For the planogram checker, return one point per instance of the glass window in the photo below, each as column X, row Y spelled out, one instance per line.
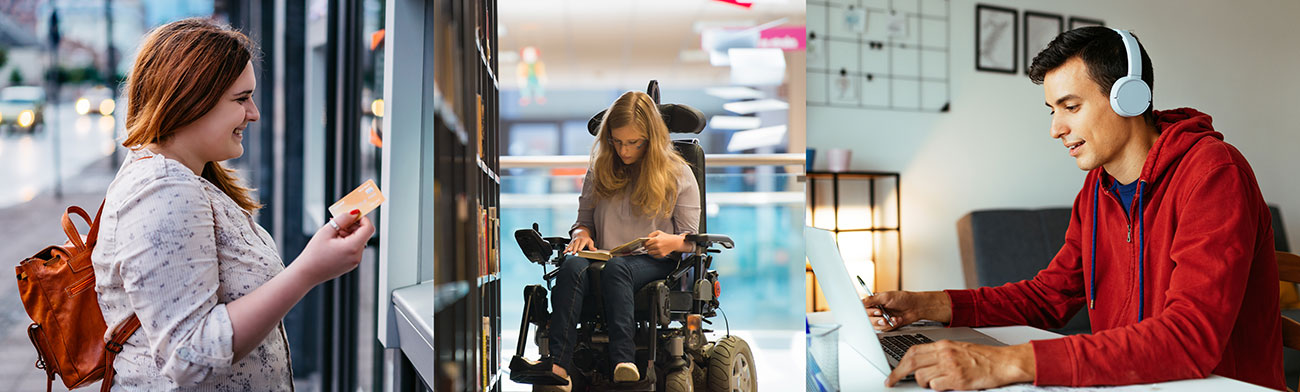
column 577, row 139
column 531, row 139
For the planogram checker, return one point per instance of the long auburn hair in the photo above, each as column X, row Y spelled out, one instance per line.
column 653, row 178
column 180, row 73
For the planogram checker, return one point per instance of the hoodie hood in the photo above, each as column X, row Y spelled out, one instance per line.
column 1180, row 129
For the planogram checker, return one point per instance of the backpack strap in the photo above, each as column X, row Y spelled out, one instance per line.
column 114, row 346
column 94, row 225
column 82, row 247
column 32, row 331
column 71, row 230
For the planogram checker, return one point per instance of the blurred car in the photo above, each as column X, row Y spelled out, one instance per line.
column 22, row 108
column 96, row 101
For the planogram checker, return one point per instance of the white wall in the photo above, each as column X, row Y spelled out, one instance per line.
column 1235, row 60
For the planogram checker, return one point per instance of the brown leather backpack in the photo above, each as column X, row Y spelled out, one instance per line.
column 58, row 289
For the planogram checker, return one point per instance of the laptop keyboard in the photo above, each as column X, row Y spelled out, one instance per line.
column 896, row 345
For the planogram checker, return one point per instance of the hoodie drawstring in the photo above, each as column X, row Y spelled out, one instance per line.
column 1141, row 255
column 1092, row 285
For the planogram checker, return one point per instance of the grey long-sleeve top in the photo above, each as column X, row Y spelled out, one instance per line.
column 174, row 250
column 616, row 220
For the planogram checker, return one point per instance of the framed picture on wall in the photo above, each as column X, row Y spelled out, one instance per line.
column 1077, row 22
column 1040, row 30
column 996, row 29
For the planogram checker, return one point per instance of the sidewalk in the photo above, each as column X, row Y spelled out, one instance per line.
column 28, row 228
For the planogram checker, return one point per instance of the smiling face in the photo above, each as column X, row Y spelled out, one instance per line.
column 629, row 142
column 1082, row 118
column 217, row 135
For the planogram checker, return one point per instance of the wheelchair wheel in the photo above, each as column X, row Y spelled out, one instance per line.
column 679, row 381
column 731, row 366
column 700, row 375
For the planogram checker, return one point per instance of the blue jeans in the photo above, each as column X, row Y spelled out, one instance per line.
column 619, row 281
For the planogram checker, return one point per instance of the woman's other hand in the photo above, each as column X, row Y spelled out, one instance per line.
column 580, row 241
column 661, row 244
column 333, row 252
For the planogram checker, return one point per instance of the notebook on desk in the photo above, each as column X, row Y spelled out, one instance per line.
column 883, row 350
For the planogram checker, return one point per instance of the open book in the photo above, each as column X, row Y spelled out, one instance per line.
column 630, row 248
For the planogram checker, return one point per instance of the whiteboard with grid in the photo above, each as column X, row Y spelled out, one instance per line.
column 879, row 54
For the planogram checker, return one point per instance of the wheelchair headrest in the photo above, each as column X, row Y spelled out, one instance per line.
column 678, row 117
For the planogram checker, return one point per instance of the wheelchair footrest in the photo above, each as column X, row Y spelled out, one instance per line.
column 524, row 371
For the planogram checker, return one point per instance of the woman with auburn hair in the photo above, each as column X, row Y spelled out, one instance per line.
column 637, row 186
column 178, row 245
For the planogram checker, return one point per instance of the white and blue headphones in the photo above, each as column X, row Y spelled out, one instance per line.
column 1130, row 96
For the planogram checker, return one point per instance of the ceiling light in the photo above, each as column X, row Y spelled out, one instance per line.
column 762, row 105
column 718, row 41
column 757, row 67
column 734, row 93
column 721, row 122
column 702, row 25
column 756, row 138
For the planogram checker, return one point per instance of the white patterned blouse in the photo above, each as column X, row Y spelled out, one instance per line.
column 174, row 250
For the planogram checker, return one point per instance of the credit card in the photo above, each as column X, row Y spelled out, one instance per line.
column 365, row 198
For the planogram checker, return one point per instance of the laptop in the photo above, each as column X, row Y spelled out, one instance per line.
column 883, row 350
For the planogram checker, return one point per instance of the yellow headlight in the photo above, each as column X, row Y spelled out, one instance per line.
column 26, row 118
column 83, row 106
column 377, row 107
column 106, row 106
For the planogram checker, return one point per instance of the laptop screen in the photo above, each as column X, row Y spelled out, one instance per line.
column 838, row 287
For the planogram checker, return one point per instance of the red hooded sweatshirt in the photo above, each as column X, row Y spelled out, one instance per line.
column 1182, row 287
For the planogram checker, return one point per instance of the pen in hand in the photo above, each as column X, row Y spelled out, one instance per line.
column 888, row 318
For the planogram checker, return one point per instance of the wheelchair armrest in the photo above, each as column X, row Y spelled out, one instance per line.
column 707, row 240
column 682, row 269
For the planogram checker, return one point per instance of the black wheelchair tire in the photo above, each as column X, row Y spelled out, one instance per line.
column 679, row 381
column 700, row 375
column 731, row 366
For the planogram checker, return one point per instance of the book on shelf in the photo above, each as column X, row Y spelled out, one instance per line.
column 486, row 355
column 630, row 248
column 482, row 242
column 494, row 239
column 478, row 140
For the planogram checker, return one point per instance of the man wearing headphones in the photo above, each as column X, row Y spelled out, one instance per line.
column 1170, row 248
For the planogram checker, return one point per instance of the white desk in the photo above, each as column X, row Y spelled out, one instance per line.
column 856, row 374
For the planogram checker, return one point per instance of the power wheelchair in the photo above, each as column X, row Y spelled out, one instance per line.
column 672, row 351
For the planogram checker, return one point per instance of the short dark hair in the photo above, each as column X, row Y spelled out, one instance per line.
column 1102, row 51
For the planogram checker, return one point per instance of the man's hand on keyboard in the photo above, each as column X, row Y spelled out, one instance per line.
column 949, row 365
